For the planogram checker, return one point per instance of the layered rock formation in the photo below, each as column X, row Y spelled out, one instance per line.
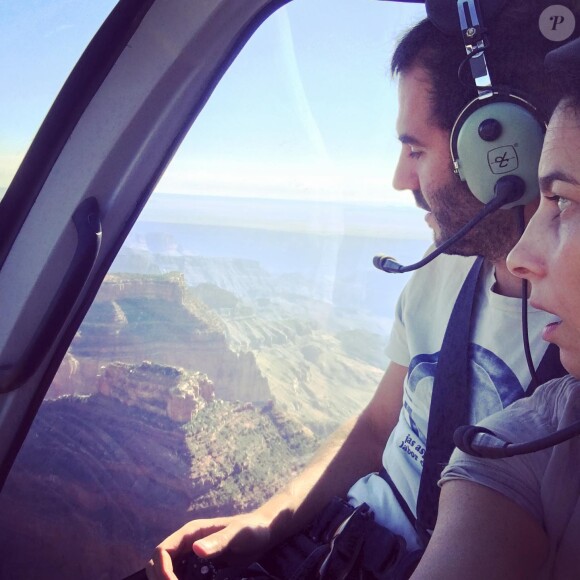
column 299, row 352
column 159, row 389
column 136, row 318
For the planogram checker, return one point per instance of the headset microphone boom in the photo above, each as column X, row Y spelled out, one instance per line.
column 508, row 189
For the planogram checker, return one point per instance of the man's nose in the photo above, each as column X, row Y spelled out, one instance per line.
column 405, row 176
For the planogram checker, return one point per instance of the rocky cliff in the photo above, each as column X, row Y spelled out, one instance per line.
column 136, row 318
column 311, row 359
column 102, row 479
column 159, row 389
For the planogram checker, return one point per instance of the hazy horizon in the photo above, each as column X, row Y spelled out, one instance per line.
column 354, row 218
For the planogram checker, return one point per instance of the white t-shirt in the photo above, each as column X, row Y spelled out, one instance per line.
column 497, row 362
column 545, row 483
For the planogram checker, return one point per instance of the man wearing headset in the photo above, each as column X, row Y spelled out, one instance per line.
column 389, row 436
column 518, row 516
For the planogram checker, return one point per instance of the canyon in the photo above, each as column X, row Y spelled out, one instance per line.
column 174, row 402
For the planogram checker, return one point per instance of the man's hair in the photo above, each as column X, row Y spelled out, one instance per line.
column 514, row 58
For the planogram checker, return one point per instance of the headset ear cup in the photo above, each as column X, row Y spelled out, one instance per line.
column 495, row 136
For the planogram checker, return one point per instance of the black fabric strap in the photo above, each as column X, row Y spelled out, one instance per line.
column 450, row 400
column 398, row 496
column 550, row 367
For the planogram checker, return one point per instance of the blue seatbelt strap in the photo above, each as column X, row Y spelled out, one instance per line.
column 450, row 401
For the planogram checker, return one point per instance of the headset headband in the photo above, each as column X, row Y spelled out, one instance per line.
column 475, row 40
column 445, row 16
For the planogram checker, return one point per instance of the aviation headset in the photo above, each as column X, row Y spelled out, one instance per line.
column 498, row 133
column 497, row 138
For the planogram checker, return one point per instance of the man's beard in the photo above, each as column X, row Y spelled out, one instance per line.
column 420, row 201
column 453, row 205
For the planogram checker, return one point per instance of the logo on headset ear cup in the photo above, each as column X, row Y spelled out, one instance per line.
column 495, row 136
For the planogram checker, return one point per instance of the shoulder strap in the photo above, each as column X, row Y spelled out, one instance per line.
column 450, row 401
column 550, row 367
column 384, row 474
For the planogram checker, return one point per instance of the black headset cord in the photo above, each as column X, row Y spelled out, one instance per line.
column 525, row 331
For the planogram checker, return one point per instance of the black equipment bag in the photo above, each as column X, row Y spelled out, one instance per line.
column 342, row 543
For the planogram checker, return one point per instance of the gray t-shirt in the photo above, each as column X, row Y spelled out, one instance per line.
column 545, row 483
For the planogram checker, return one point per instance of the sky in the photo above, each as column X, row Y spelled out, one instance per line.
column 306, row 110
column 40, row 41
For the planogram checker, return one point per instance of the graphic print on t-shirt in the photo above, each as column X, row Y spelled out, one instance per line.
column 494, row 386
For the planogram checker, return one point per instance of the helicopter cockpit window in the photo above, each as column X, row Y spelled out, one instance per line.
column 243, row 319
